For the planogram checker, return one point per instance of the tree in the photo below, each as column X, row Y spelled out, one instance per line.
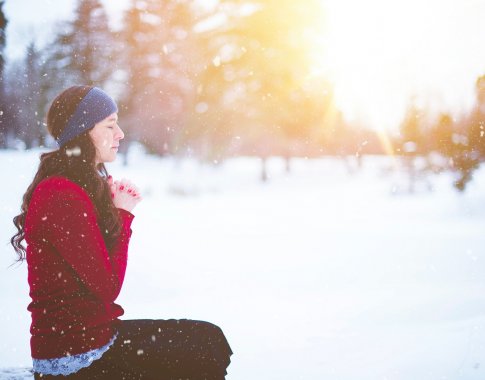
column 309, row 122
column 250, row 79
column 453, row 143
column 412, row 134
column 4, row 124
column 82, row 52
column 156, row 84
column 476, row 124
column 469, row 142
column 28, row 93
column 411, row 142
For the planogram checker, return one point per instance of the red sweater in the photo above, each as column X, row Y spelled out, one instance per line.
column 73, row 278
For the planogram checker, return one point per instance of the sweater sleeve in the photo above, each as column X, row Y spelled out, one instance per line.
column 119, row 252
column 69, row 224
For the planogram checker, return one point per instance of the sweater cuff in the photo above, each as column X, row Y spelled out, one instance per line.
column 126, row 219
column 125, row 214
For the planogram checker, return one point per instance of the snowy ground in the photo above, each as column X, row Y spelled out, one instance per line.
column 315, row 275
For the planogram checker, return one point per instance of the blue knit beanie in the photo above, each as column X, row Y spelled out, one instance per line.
column 93, row 108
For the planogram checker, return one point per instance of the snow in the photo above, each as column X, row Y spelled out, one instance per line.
column 317, row 274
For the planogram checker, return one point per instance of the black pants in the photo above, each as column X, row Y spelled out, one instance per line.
column 160, row 350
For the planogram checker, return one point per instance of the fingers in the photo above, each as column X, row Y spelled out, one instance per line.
column 132, row 189
column 111, row 185
column 127, row 187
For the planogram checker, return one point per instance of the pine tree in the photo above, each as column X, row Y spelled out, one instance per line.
column 250, row 76
column 82, row 52
column 412, row 131
column 4, row 124
column 453, row 143
column 476, row 125
column 469, row 143
column 411, row 143
column 153, row 38
column 28, row 94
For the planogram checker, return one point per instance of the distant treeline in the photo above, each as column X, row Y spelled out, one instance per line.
column 214, row 82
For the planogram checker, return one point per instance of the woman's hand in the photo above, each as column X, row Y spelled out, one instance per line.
column 125, row 194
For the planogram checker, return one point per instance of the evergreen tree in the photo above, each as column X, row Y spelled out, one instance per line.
column 411, row 143
column 31, row 85
column 28, row 93
column 453, row 143
column 82, row 52
column 469, row 142
column 476, row 124
column 153, row 40
column 412, row 134
column 4, row 111
column 250, row 76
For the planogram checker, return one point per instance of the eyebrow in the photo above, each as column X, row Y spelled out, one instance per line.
column 113, row 118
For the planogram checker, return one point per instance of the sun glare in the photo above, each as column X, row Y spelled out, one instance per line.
column 379, row 54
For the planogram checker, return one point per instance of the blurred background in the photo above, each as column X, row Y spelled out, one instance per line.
column 218, row 79
column 311, row 170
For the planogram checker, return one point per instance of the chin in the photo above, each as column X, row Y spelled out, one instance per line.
column 110, row 158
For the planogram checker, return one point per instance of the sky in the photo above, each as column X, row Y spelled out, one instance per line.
column 379, row 54
column 382, row 53
column 34, row 19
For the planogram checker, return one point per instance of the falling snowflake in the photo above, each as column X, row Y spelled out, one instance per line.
column 216, row 61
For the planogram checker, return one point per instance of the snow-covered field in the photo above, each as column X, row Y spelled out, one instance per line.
column 317, row 274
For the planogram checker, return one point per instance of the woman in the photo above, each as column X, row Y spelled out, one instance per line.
column 77, row 224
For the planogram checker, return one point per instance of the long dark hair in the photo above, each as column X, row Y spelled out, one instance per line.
column 75, row 161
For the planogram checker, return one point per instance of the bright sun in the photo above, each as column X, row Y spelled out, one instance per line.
column 380, row 54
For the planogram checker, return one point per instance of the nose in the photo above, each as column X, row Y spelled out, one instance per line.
column 119, row 135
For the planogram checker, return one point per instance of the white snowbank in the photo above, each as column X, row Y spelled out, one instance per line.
column 315, row 275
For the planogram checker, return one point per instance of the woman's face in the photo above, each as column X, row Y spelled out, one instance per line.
column 106, row 136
